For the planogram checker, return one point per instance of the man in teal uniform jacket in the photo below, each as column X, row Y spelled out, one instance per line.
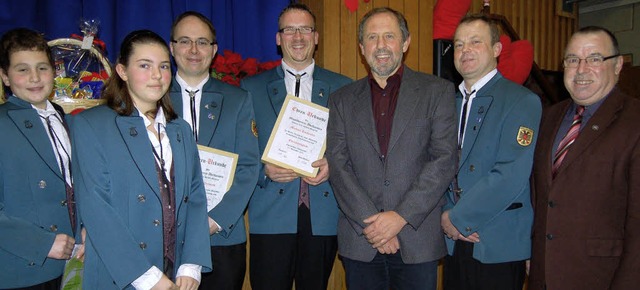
column 488, row 215
column 283, row 230
column 224, row 120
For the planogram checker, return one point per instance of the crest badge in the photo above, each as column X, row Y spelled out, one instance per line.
column 525, row 136
column 254, row 128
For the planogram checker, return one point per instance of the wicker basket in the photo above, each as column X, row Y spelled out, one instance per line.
column 70, row 104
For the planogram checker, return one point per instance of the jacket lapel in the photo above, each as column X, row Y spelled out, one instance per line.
column 596, row 126
column 136, row 139
column 210, row 107
column 29, row 124
column 407, row 102
column 179, row 156
column 277, row 91
column 363, row 113
column 477, row 112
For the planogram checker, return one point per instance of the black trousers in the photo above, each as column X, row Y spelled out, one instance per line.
column 49, row 285
column 463, row 272
column 229, row 264
column 276, row 260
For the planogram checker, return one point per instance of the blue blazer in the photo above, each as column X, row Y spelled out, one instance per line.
column 494, row 171
column 118, row 197
column 226, row 118
column 273, row 208
column 32, row 198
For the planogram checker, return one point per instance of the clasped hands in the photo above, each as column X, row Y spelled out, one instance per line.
column 452, row 232
column 382, row 231
column 279, row 174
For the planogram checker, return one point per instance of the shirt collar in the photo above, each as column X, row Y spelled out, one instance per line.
column 183, row 84
column 160, row 118
column 480, row 83
column 48, row 111
column 308, row 70
column 393, row 79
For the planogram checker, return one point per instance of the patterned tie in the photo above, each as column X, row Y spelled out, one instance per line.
column 194, row 120
column 303, row 196
column 568, row 139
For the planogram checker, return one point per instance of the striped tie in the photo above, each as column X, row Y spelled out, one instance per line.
column 568, row 139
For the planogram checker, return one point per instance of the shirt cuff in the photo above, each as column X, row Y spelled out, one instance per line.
column 148, row 279
column 190, row 270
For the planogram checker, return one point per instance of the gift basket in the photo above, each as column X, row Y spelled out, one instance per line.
column 81, row 69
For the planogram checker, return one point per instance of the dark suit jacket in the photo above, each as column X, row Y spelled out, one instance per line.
column 273, row 208
column 419, row 165
column 587, row 219
column 226, row 117
column 118, row 195
column 32, row 198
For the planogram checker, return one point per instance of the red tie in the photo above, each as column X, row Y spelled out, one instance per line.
column 568, row 139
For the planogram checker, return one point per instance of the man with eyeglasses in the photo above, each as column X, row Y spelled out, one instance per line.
column 587, row 175
column 292, row 219
column 221, row 116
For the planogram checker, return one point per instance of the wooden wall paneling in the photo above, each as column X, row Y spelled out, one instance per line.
column 411, row 13
column 425, row 30
column 331, row 39
column 350, row 53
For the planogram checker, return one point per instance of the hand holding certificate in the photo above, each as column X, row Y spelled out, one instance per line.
column 298, row 137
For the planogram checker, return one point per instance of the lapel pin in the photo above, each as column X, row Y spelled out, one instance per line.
column 321, row 93
column 481, row 110
column 595, row 127
column 211, row 116
column 206, row 106
column 133, row 132
column 27, row 124
column 214, row 105
column 275, row 91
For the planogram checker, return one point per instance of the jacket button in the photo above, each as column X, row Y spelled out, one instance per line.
column 552, row 204
column 182, row 242
column 387, row 182
column 63, row 202
column 468, row 229
column 549, row 237
column 53, row 228
column 156, row 223
column 326, row 193
column 143, row 245
column 141, row 198
column 186, row 199
column 42, row 184
column 231, row 226
column 281, row 191
column 472, row 168
column 32, row 263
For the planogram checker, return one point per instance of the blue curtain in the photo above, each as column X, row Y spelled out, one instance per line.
column 244, row 26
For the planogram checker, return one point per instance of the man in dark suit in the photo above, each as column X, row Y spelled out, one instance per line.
column 587, row 193
column 221, row 117
column 488, row 215
column 392, row 152
column 292, row 220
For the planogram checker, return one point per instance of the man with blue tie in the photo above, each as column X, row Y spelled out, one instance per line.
column 292, row 219
column 221, row 116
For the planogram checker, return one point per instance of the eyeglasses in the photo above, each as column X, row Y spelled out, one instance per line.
column 201, row 43
column 292, row 30
column 596, row 60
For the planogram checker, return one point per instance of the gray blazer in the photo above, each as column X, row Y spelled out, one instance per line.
column 411, row 181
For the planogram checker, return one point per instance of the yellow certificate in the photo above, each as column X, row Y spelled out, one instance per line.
column 218, row 171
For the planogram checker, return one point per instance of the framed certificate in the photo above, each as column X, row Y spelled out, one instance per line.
column 218, row 171
column 298, row 137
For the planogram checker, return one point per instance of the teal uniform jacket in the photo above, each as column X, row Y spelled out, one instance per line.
column 225, row 123
column 494, row 171
column 273, row 208
column 32, row 198
column 118, row 197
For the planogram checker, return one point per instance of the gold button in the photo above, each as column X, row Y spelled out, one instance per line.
column 53, row 228
column 42, row 184
column 156, row 223
column 143, row 245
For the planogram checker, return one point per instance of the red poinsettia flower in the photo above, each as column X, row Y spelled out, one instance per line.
column 230, row 68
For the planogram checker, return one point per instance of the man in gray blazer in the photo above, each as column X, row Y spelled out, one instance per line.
column 392, row 153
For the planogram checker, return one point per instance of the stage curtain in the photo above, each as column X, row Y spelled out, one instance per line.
column 244, row 26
